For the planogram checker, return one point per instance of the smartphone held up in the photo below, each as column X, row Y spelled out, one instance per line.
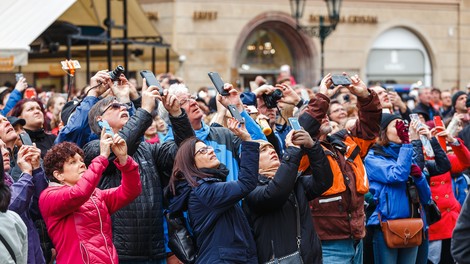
column 218, row 83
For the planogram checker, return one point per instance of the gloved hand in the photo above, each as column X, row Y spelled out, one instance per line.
column 416, row 171
column 402, row 132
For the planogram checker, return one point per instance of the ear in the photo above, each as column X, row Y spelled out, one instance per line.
column 98, row 118
column 58, row 176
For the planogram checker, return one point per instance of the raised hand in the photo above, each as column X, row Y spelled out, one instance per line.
column 289, row 142
column 106, row 141
column 24, row 160
column 233, row 97
column 99, row 83
column 302, row 138
column 172, row 104
column 21, row 85
column 402, row 132
column 325, row 85
column 444, row 133
column 149, row 94
column 119, row 148
column 121, row 89
column 238, row 129
column 357, row 87
column 289, row 96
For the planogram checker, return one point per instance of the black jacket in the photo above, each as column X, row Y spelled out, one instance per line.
column 138, row 227
column 271, row 206
column 437, row 166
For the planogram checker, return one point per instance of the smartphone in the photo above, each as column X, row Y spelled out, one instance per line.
column 390, row 89
column 25, row 139
column 251, row 109
column 30, row 93
column 104, row 125
column 341, row 80
column 218, row 83
column 151, row 80
column 234, row 111
column 294, row 123
column 18, row 76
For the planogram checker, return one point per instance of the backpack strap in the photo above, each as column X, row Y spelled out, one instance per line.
column 10, row 250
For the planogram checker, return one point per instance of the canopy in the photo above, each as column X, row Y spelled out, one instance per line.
column 23, row 22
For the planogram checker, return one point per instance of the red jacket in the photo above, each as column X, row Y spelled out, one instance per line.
column 442, row 194
column 78, row 218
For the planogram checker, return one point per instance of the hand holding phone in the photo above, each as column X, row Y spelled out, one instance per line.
column 105, row 125
column 151, row 80
column 218, row 83
column 234, row 111
column 18, row 76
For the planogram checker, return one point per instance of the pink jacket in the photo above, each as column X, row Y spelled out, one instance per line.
column 78, row 218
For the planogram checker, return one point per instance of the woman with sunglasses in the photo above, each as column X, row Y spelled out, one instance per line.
column 220, row 227
column 77, row 214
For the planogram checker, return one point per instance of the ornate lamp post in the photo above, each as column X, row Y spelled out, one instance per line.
column 322, row 30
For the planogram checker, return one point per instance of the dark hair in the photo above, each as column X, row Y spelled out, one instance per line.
column 332, row 102
column 57, row 156
column 184, row 167
column 97, row 110
column 5, row 194
column 3, row 94
column 18, row 108
column 383, row 139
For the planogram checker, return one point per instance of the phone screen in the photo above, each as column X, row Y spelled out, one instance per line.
column 294, row 123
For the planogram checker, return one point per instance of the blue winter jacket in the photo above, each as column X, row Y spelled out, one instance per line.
column 226, row 145
column 221, row 229
column 388, row 169
column 15, row 97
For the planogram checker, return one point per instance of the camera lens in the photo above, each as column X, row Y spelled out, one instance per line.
column 116, row 73
column 271, row 99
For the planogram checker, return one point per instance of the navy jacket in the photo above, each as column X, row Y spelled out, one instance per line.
column 220, row 227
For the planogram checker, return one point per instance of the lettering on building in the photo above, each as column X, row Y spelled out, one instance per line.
column 352, row 19
column 205, row 15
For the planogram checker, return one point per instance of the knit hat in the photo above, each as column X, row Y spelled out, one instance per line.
column 68, row 110
column 456, row 96
column 386, row 119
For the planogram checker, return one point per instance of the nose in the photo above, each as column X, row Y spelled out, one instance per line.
column 210, row 150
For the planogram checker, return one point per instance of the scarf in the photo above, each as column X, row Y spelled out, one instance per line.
column 200, row 134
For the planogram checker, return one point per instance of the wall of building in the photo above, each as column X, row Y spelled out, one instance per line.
column 207, row 32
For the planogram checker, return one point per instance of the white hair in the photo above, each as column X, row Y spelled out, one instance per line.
column 178, row 88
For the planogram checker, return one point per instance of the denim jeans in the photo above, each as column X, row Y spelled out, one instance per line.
column 386, row 255
column 342, row 251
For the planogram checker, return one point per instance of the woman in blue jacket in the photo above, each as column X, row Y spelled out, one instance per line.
column 222, row 231
column 389, row 164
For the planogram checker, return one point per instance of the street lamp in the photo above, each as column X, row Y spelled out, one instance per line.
column 322, row 30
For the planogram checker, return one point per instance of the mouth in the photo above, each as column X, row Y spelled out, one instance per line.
column 9, row 130
column 124, row 115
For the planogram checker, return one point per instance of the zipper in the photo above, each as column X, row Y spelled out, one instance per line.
column 101, row 228
column 84, row 251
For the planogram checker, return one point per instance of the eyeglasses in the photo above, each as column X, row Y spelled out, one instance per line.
column 204, row 150
column 185, row 100
column 115, row 106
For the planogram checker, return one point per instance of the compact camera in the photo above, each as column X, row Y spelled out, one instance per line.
column 271, row 99
column 116, row 73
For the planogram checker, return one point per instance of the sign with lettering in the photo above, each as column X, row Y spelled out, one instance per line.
column 352, row 19
column 205, row 15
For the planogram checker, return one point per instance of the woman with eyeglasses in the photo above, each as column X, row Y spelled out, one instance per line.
column 76, row 212
column 198, row 185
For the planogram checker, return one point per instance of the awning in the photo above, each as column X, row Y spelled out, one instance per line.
column 23, row 22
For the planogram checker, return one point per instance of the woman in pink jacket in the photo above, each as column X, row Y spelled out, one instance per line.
column 77, row 214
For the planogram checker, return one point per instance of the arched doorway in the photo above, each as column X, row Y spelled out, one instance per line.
column 398, row 56
column 269, row 41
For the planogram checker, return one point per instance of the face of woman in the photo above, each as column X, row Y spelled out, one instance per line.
column 5, row 156
column 392, row 132
column 268, row 158
column 205, row 157
column 33, row 115
column 73, row 170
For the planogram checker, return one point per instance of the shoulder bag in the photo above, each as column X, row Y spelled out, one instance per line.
column 180, row 240
column 296, row 257
column 10, row 250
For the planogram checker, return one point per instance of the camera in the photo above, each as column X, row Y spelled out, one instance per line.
column 271, row 99
column 116, row 73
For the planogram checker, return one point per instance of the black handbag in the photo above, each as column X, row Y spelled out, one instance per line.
column 181, row 242
column 295, row 257
column 433, row 214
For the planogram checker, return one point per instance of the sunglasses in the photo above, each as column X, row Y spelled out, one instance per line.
column 115, row 106
column 203, row 150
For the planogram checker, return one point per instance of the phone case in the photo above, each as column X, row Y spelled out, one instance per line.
column 104, row 125
column 294, row 123
column 340, row 80
column 150, row 79
column 25, row 139
column 234, row 111
column 218, row 83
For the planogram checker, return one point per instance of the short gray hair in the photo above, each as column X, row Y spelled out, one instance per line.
column 96, row 111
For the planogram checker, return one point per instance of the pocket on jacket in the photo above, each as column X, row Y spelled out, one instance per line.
column 234, row 255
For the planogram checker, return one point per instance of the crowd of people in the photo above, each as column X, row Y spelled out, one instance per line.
column 371, row 176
